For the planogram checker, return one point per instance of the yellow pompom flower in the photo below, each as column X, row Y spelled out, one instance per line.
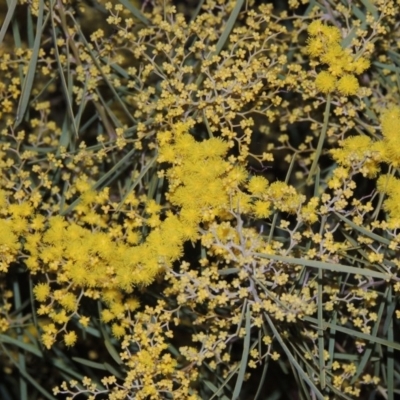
column 118, row 331
column 69, row 301
column 315, row 47
column 41, row 291
column 360, row 65
column 107, row 316
column 333, row 54
column 325, row 82
column 152, row 207
column 390, row 123
column 348, row 85
column 132, row 304
column 331, row 34
column 315, row 28
column 262, row 209
column 387, row 184
column 257, row 185
column 214, row 147
column 70, row 338
column 390, row 185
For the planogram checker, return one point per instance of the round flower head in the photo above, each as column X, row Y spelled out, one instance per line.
column 348, row 85
column 315, row 28
column 325, row 82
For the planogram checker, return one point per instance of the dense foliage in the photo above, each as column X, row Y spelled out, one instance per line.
column 199, row 202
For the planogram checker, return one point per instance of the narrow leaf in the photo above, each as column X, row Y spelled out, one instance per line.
column 135, row 11
column 24, row 346
column 357, row 334
column 292, row 360
column 29, row 78
column 245, row 356
column 363, row 231
column 7, row 19
column 323, row 265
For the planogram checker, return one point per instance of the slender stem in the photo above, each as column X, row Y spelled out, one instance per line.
column 321, row 139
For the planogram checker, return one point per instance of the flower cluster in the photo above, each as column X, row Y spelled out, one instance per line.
column 342, row 67
column 193, row 195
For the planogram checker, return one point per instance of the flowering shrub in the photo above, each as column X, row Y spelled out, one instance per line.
column 196, row 199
